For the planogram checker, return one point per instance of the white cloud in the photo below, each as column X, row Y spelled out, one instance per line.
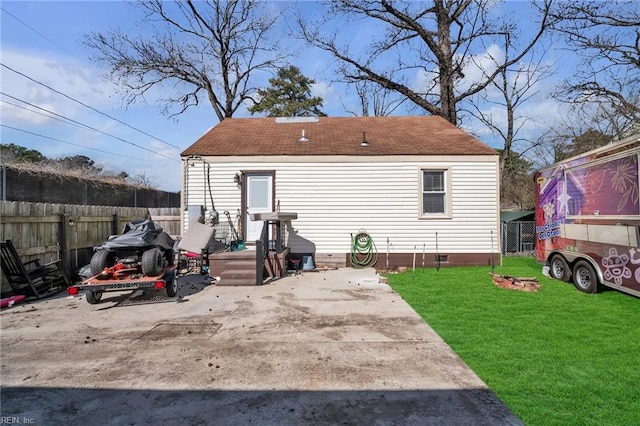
column 62, row 73
column 423, row 82
column 326, row 91
column 479, row 66
column 163, row 149
column 475, row 69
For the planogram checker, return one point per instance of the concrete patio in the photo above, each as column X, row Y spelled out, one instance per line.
column 329, row 347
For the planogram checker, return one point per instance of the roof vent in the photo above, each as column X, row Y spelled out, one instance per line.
column 294, row 120
column 303, row 138
column 364, row 139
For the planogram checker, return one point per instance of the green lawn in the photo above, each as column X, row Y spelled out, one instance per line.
column 555, row 357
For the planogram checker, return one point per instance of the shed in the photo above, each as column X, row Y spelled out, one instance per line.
column 518, row 231
column 413, row 184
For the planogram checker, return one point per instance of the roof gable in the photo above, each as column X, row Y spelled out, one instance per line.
column 414, row 135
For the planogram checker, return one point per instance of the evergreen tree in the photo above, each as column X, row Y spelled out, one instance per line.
column 79, row 162
column 19, row 154
column 288, row 96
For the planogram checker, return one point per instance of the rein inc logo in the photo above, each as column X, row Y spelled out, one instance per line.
column 7, row 420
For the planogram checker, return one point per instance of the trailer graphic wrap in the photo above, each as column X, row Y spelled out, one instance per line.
column 615, row 266
column 588, row 212
column 610, row 188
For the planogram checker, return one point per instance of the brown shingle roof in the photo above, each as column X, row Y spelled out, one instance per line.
column 419, row 135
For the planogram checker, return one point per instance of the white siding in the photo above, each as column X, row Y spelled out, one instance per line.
column 335, row 199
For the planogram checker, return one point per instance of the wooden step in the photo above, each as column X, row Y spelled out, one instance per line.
column 324, row 260
column 230, row 277
column 233, row 255
column 219, row 266
column 238, row 274
column 231, row 282
column 239, row 268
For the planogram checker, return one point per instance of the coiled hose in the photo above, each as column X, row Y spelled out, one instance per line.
column 363, row 250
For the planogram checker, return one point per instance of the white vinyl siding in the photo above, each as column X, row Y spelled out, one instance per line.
column 339, row 197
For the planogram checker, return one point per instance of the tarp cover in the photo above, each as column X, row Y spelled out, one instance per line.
column 140, row 233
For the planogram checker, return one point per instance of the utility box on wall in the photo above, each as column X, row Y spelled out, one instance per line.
column 195, row 212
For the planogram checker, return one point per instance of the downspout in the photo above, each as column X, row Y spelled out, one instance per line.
column 213, row 217
column 204, row 174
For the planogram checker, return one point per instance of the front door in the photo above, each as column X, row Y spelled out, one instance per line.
column 258, row 199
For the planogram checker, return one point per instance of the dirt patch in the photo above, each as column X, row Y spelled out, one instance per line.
column 530, row 284
column 168, row 331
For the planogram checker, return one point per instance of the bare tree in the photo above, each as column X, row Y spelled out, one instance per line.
column 517, row 189
column 144, row 179
column 606, row 84
column 550, row 147
column 568, row 138
column 375, row 100
column 512, row 88
column 441, row 38
column 498, row 110
column 212, row 47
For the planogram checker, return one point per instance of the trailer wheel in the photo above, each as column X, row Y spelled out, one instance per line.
column 151, row 262
column 584, row 277
column 101, row 259
column 559, row 268
column 170, row 256
column 171, row 285
column 93, row 297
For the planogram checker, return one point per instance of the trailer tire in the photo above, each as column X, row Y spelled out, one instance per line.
column 584, row 277
column 171, row 285
column 170, row 256
column 152, row 261
column 93, row 297
column 559, row 268
column 101, row 259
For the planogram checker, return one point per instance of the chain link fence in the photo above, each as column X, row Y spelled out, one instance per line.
column 518, row 237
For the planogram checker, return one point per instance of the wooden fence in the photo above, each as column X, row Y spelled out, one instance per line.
column 168, row 218
column 70, row 232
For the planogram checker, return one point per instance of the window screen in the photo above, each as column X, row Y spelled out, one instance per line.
column 433, row 192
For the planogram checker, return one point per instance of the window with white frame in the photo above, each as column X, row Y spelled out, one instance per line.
column 434, row 192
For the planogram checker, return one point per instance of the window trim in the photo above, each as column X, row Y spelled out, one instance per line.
column 446, row 170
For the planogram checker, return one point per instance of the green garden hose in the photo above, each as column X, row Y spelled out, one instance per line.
column 363, row 250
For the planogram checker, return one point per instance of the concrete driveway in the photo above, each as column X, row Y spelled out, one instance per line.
column 332, row 347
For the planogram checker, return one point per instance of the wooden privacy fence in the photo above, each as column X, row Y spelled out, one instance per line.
column 70, row 232
column 168, row 218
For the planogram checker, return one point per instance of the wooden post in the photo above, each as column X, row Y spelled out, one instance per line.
column 114, row 225
column 264, row 237
column 259, row 262
column 65, row 243
column 278, row 236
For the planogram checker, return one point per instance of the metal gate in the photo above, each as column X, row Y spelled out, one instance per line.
column 518, row 237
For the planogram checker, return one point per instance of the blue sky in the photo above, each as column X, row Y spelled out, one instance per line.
column 41, row 41
column 54, row 56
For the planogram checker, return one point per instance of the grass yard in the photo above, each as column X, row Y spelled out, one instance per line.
column 555, row 357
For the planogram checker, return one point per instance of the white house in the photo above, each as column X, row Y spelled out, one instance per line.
column 414, row 184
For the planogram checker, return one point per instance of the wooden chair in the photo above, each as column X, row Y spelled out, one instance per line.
column 31, row 278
